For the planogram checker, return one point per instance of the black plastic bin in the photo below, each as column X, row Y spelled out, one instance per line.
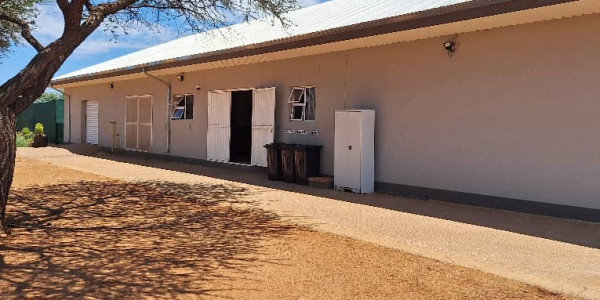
column 287, row 162
column 307, row 160
column 274, row 168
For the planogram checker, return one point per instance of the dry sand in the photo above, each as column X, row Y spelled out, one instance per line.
column 80, row 235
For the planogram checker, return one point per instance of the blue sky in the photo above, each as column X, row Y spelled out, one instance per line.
column 97, row 48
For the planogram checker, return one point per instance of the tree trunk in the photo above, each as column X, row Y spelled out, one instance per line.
column 7, row 160
column 19, row 92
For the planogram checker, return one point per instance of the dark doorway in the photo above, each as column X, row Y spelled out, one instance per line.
column 240, row 150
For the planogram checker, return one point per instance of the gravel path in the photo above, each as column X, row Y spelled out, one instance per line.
column 565, row 267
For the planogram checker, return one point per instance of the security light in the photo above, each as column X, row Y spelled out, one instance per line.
column 111, row 86
column 450, row 46
column 180, row 78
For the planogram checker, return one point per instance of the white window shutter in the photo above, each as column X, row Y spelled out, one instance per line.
column 219, row 126
column 263, row 124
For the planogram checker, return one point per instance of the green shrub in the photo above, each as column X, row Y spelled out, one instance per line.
column 26, row 132
column 24, row 140
column 39, row 129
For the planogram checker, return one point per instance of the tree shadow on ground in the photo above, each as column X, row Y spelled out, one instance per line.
column 569, row 231
column 129, row 240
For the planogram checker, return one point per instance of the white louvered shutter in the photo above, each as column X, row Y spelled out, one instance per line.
column 219, row 126
column 263, row 124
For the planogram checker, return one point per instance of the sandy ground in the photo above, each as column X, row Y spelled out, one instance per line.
column 78, row 235
column 556, row 254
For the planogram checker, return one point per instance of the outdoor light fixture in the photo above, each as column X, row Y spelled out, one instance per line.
column 180, row 78
column 450, row 46
column 198, row 87
column 111, row 86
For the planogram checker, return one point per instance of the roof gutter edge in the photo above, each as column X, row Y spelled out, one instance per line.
column 437, row 16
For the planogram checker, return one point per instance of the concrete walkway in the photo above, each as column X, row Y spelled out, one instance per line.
column 556, row 254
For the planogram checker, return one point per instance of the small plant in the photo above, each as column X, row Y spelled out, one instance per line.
column 26, row 132
column 39, row 129
column 24, row 140
column 39, row 138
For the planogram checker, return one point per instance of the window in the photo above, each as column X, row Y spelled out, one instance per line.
column 183, row 107
column 302, row 104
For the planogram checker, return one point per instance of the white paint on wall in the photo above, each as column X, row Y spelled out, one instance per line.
column 510, row 115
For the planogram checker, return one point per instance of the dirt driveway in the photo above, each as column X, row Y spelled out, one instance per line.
column 78, row 235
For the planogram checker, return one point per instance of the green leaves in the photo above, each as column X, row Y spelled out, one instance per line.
column 14, row 14
column 48, row 97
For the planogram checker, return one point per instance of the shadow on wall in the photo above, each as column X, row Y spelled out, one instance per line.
column 113, row 239
column 564, row 230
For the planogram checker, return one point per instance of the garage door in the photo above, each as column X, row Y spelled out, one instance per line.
column 91, row 122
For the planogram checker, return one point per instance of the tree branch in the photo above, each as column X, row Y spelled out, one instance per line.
column 88, row 5
column 114, row 7
column 25, row 31
column 63, row 5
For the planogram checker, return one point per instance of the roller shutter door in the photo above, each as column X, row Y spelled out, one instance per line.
column 91, row 122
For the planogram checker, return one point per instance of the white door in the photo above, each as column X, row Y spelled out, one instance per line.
column 131, row 123
column 347, row 160
column 354, row 151
column 263, row 124
column 91, row 122
column 219, row 126
column 138, row 123
column 144, row 124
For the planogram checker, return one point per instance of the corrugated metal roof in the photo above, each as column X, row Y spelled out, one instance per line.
column 317, row 18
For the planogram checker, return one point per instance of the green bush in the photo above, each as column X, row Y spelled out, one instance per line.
column 39, row 129
column 26, row 132
column 24, row 140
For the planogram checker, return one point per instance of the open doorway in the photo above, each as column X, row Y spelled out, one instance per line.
column 240, row 124
column 240, row 147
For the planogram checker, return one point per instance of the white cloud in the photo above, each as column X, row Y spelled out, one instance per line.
column 135, row 39
column 49, row 23
column 49, row 27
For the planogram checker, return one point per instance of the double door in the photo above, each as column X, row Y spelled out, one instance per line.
column 219, row 125
column 138, row 123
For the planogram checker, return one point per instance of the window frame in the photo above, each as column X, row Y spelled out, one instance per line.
column 293, row 104
column 292, row 112
column 177, row 98
column 302, row 95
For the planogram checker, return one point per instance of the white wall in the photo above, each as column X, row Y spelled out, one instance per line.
column 515, row 113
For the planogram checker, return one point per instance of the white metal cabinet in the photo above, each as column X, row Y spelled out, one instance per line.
column 91, row 122
column 354, row 160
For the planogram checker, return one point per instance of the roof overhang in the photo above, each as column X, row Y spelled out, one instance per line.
column 461, row 18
